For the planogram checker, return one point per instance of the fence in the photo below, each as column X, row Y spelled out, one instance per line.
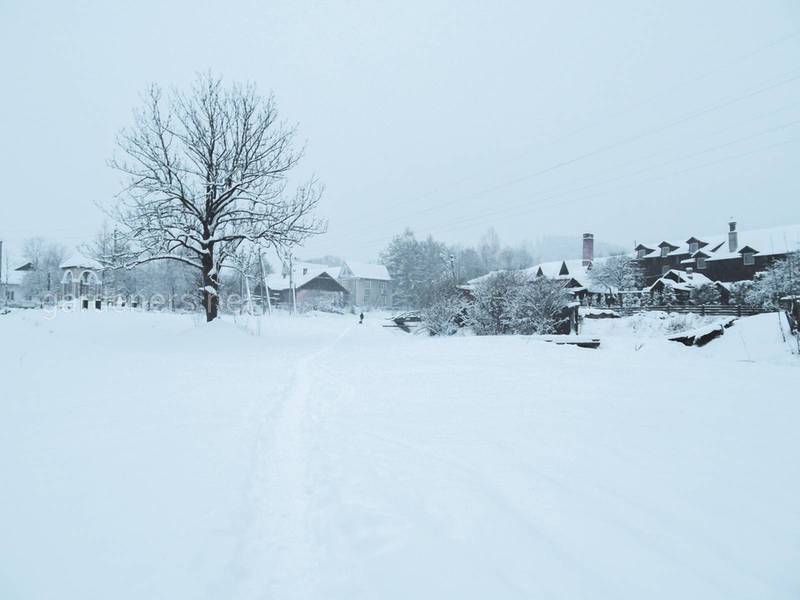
column 727, row 310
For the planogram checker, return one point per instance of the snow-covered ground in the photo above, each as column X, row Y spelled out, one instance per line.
column 149, row 456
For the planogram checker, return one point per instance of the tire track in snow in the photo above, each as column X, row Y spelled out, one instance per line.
column 275, row 555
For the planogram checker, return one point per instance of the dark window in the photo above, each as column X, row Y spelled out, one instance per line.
column 664, row 269
column 701, row 263
column 664, row 250
column 639, row 253
column 749, row 258
column 694, row 247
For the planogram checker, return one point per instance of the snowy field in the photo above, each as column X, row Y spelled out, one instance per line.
column 149, row 456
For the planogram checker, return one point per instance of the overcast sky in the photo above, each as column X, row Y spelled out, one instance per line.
column 632, row 120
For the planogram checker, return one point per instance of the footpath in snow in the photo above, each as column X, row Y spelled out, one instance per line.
column 150, row 456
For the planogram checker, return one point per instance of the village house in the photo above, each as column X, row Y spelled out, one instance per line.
column 734, row 256
column 370, row 286
column 11, row 286
column 575, row 273
column 308, row 286
column 683, row 283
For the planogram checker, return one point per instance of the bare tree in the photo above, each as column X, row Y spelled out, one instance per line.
column 617, row 273
column 207, row 172
column 45, row 258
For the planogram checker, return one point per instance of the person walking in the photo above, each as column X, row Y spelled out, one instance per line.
column 361, row 318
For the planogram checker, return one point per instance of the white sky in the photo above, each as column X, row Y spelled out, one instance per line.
column 447, row 117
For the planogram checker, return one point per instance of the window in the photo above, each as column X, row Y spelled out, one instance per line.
column 701, row 263
column 366, row 295
column 639, row 254
column 665, row 269
column 749, row 258
column 694, row 247
column 664, row 250
column 9, row 294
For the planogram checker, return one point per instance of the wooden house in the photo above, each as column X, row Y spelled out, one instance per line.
column 308, row 286
column 733, row 256
column 370, row 286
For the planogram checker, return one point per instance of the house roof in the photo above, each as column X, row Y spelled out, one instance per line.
column 367, row 271
column 682, row 280
column 14, row 277
column 303, row 273
column 572, row 269
column 78, row 261
column 564, row 270
column 774, row 240
column 766, row 242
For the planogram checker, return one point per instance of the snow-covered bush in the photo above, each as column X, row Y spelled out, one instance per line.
column 668, row 297
column 510, row 302
column 443, row 316
column 537, row 307
column 741, row 292
column 490, row 311
column 617, row 273
column 706, row 294
column 780, row 279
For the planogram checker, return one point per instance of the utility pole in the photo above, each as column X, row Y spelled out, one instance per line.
column 264, row 282
column 453, row 268
column 5, row 289
column 291, row 283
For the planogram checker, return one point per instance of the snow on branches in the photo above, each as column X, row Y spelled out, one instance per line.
column 512, row 302
column 207, row 173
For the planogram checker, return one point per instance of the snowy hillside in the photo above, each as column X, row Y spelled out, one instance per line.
column 146, row 456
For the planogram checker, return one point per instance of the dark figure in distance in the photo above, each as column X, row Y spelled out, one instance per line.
column 361, row 318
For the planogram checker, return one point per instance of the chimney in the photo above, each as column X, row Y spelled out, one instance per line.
column 733, row 237
column 689, row 272
column 588, row 249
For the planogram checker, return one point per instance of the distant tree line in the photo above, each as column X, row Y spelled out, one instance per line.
column 423, row 269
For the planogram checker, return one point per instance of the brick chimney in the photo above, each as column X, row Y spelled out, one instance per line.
column 733, row 237
column 588, row 249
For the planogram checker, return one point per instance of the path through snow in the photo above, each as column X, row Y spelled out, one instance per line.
column 325, row 459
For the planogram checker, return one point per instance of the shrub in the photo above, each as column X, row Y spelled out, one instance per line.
column 490, row 312
column 706, row 294
column 509, row 302
column 537, row 307
column 443, row 316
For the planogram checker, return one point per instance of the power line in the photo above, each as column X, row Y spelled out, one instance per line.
column 473, row 220
column 771, row 84
column 668, row 90
column 713, row 148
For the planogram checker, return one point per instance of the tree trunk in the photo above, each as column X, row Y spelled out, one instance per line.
column 210, row 289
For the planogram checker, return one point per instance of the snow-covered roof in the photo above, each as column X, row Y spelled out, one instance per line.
column 365, row 271
column 765, row 242
column 302, row 274
column 14, row 277
column 78, row 261
column 572, row 269
column 682, row 280
column 774, row 240
column 558, row 269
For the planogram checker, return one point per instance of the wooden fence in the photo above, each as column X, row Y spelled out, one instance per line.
column 727, row 310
